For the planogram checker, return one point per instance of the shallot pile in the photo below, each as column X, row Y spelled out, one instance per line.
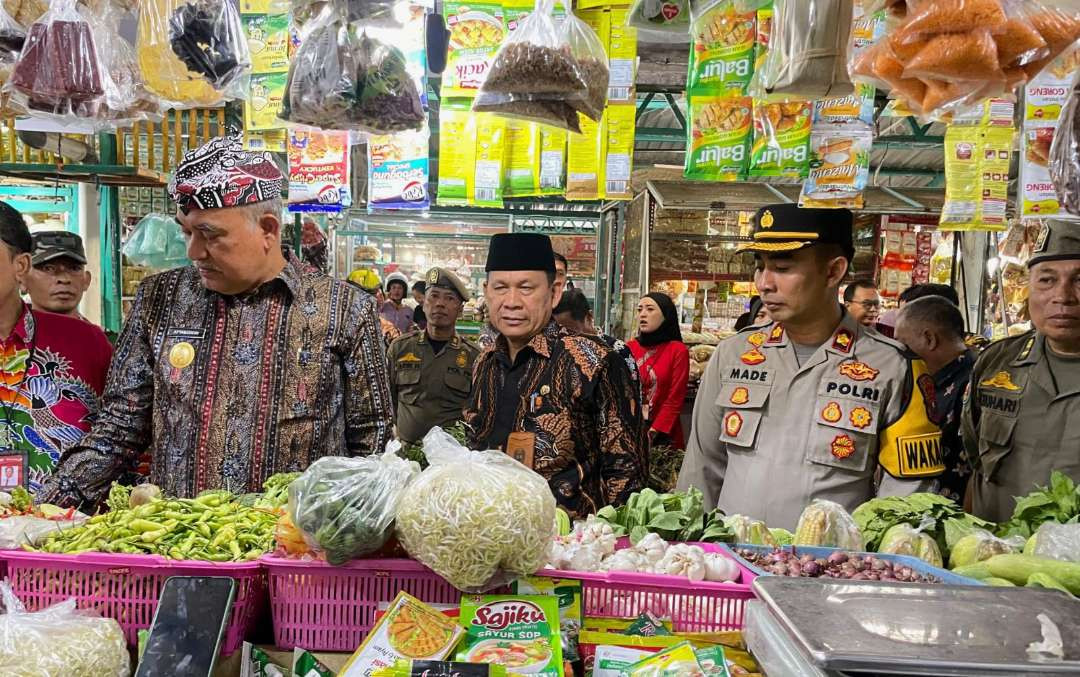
column 842, row 565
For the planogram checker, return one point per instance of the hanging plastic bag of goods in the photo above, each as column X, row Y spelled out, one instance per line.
column 1065, row 155
column 941, row 56
column 807, row 51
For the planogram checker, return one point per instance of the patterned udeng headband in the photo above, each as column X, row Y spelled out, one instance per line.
column 222, row 174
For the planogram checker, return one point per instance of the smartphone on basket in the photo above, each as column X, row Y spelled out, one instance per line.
column 188, row 625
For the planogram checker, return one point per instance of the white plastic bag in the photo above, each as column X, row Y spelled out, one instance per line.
column 59, row 642
column 479, row 519
column 808, row 47
column 1064, row 161
column 1058, row 541
column 156, row 242
column 20, row 530
column 346, row 506
column 904, row 539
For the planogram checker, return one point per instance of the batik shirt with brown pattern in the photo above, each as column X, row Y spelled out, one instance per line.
column 228, row 390
column 577, row 396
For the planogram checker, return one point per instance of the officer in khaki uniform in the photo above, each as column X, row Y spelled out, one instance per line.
column 811, row 404
column 431, row 369
column 1022, row 415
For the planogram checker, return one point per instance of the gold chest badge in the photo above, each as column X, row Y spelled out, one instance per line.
column 462, row 359
column 181, row 355
column 1000, row 380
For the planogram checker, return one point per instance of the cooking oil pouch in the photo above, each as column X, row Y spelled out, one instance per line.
column 521, row 168
column 719, row 141
column 476, row 31
column 518, row 632
column 962, row 180
column 553, row 144
column 722, row 55
column 839, row 166
column 781, row 139
column 457, row 152
column 619, row 151
column 487, row 187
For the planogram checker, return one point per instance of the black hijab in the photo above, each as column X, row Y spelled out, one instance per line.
column 669, row 330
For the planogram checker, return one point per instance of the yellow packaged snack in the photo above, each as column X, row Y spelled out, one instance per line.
column 996, row 158
column 552, row 160
column 781, row 139
column 622, row 59
column 521, row 169
column 476, row 31
column 722, row 55
column 267, row 94
column 487, row 189
column 719, row 141
column 457, row 152
column 583, row 163
column 268, row 40
column 619, row 153
column 962, row 192
column 410, row 629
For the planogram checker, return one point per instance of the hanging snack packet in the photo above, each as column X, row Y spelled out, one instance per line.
column 476, row 31
column 59, row 68
column 398, row 171
column 962, row 184
column 1058, row 27
column 12, row 38
column 457, row 152
column 622, row 59
column 521, row 167
column 668, row 16
column 718, row 143
column 519, row 632
column 584, row 162
column 126, row 97
column 858, row 107
column 619, row 151
column 552, row 160
column 207, row 36
column 722, row 55
column 781, row 139
column 997, row 144
column 487, row 187
column 839, row 167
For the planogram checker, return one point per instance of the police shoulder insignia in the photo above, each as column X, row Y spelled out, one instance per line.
column 842, row 446
column 1000, row 380
column 756, row 339
column 1027, row 349
column 843, row 340
column 741, row 395
column 733, row 423
column 462, row 359
column 858, row 371
column 753, row 356
column 777, row 334
column 861, row 417
column 409, row 357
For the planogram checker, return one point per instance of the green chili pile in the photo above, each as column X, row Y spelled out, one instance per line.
column 214, row 527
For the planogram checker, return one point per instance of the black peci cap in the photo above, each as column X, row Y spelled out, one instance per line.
column 520, row 251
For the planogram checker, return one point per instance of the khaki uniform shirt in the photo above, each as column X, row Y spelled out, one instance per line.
column 770, row 436
column 429, row 390
column 1021, row 421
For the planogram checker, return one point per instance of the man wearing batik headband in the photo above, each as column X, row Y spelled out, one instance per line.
column 241, row 365
column 812, row 403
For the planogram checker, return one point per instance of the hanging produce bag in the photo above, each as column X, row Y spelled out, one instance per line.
column 12, row 39
column 547, row 73
column 1065, row 156
column 59, row 68
column 156, row 242
column 126, row 98
column 342, row 78
column 808, row 48
column 193, row 53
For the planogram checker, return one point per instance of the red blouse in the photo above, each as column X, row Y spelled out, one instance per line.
column 665, row 370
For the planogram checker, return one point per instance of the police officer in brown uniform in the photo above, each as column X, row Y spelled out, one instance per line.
column 1022, row 417
column 431, row 369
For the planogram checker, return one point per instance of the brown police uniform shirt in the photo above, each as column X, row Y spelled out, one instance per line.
column 1021, row 421
column 429, row 389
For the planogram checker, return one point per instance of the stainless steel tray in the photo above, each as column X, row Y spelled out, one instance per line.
column 912, row 629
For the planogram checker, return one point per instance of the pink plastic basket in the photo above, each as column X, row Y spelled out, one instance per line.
column 692, row 607
column 127, row 587
column 320, row 607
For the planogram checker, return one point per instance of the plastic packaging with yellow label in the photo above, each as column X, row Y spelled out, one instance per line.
column 584, row 161
column 622, row 59
column 722, row 54
column 487, row 190
column 457, row 152
column 962, row 193
column 268, row 40
column 476, row 31
column 619, row 152
column 553, row 160
column 839, row 166
column 521, row 169
column 261, row 109
column 678, row 661
column 781, row 139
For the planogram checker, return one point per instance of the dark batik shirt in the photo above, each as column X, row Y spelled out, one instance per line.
column 576, row 395
column 949, row 386
column 228, row 390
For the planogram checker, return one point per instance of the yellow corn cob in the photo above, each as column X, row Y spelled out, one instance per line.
column 811, row 529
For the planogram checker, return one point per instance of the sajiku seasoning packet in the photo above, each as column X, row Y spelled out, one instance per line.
column 519, row 632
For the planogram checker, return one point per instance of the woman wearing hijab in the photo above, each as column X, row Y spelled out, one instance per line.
column 664, row 365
